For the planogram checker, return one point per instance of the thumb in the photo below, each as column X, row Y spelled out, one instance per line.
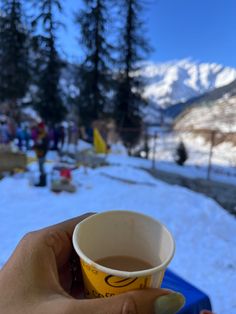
column 148, row 301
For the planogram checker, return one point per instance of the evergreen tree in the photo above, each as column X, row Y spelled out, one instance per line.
column 133, row 46
column 14, row 63
column 94, row 76
column 47, row 63
column 181, row 154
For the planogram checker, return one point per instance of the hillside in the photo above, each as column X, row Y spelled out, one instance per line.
column 215, row 110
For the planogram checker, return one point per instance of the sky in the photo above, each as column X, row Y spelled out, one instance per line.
column 202, row 30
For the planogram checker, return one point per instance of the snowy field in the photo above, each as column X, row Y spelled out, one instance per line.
column 205, row 234
column 223, row 168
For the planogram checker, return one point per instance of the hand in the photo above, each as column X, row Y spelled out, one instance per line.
column 38, row 279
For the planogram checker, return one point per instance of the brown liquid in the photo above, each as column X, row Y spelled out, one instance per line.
column 124, row 263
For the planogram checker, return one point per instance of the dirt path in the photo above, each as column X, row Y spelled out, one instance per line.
column 132, row 182
column 224, row 194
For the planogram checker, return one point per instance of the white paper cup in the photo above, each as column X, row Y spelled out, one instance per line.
column 121, row 233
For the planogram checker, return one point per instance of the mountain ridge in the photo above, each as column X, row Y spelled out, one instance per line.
column 172, row 86
column 216, row 110
column 213, row 95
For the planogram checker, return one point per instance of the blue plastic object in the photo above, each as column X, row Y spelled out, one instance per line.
column 196, row 300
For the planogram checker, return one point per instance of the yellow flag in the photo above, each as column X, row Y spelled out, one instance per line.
column 100, row 145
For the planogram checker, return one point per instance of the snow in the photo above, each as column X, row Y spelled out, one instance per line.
column 204, row 232
column 177, row 81
column 168, row 83
column 162, row 149
column 31, row 113
column 220, row 116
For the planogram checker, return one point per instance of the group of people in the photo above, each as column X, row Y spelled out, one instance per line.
column 25, row 134
column 7, row 130
column 45, row 138
column 38, row 137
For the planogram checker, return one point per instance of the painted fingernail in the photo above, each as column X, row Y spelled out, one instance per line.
column 169, row 304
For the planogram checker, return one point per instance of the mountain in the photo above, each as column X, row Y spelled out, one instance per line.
column 174, row 110
column 175, row 82
column 216, row 110
column 169, row 87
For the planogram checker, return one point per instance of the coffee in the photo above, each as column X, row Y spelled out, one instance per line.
column 124, row 263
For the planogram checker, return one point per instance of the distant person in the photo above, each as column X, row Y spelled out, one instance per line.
column 61, row 137
column 4, row 132
column 41, row 149
column 26, row 137
column 11, row 129
column 34, row 133
column 55, row 138
column 19, row 136
column 51, row 134
column 89, row 134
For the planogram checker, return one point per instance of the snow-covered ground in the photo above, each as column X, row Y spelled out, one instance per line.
column 205, row 234
column 223, row 160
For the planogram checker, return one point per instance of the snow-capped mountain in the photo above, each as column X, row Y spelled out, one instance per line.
column 178, row 81
column 167, row 84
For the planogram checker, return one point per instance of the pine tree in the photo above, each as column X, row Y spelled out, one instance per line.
column 14, row 54
column 133, row 46
column 181, row 154
column 48, row 99
column 94, row 76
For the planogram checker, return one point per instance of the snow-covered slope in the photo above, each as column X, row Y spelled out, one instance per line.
column 215, row 110
column 220, row 115
column 203, row 231
column 177, row 81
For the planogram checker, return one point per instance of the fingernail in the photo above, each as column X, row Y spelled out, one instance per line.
column 169, row 304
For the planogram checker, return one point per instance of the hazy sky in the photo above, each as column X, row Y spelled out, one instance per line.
column 204, row 30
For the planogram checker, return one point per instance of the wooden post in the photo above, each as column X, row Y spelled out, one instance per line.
column 210, row 154
column 154, row 151
column 146, row 143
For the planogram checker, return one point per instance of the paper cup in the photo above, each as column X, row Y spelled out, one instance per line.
column 121, row 233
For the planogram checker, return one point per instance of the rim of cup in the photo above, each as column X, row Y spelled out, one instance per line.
column 120, row 273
